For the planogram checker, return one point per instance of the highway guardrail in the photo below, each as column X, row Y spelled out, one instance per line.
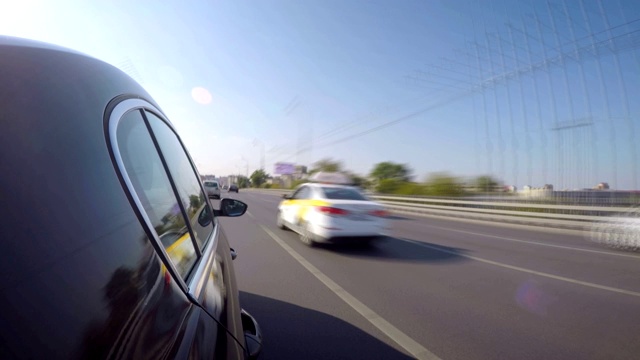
column 578, row 217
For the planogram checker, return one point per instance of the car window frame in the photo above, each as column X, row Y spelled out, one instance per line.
column 195, row 173
column 196, row 278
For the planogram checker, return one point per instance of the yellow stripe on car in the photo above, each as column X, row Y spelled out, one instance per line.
column 178, row 242
column 305, row 205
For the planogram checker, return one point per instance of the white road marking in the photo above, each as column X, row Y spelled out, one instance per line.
column 536, row 243
column 250, row 215
column 402, row 339
column 517, row 268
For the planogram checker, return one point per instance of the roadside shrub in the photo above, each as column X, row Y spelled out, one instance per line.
column 412, row 189
column 389, row 186
column 443, row 184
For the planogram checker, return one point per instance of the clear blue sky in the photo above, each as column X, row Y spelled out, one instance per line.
column 305, row 78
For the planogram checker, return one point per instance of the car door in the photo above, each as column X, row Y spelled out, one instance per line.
column 166, row 190
column 212, row 283
column 291, row 207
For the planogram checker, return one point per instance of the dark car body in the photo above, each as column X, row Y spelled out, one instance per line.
column 233, row 188
column 91, row 266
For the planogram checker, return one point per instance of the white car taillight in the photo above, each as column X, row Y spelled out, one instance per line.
column 328, row 210
column 379, row 213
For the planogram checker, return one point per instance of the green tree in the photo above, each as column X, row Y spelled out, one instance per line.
column 360, row 181
column 243, row 181
column 486, row 183
column 389, row 186
column 327, row 165
column 443, row 184
column 258, row 178
column 389, row 170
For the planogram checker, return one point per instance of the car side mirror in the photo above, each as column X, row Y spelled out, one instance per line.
column 232, row 207
column 286, row 197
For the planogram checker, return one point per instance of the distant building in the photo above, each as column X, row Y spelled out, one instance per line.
column 207, row 177
column 602, row 186
column 299, row 173
column 300, row 169
column 545, row 191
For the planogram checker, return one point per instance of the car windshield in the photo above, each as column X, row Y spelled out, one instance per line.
column 211, row 184
column 337, row 193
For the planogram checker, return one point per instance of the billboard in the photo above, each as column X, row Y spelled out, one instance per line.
column 284, row 168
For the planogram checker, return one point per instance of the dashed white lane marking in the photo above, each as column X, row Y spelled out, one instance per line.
column 529, row 271
column 402, row 339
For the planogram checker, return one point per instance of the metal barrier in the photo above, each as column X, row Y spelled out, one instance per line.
column 579, row 217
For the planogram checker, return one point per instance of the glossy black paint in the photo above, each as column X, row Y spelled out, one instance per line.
column 79, row 276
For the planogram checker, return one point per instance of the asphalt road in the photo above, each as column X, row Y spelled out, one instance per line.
column 435, row 289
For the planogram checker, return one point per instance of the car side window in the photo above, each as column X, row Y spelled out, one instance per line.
column 302, row 193
column 152, row 186
column 296, row 195
column 185, row 179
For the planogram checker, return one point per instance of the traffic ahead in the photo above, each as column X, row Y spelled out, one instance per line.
column 329, row 213
column 436, row 289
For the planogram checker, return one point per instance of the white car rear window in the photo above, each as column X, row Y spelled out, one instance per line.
column 335, row 193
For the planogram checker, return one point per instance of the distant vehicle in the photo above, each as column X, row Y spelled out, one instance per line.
column 146, row 274
column 225, row 187
column 212, row 188
column 233, row 188
column 332, row 213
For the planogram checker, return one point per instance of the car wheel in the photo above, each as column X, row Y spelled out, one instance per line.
column 306, row 236
column 280, row 222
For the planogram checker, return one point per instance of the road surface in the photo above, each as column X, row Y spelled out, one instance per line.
column 435, row 289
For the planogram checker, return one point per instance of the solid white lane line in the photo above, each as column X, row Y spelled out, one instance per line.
column 529, row 271
column 537, row 243
column 402, row 339
column 250, row 215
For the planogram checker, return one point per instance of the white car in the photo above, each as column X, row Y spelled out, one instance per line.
column 212, row 188
column 330, row 213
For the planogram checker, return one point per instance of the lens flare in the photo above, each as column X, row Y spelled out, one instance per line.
column 201, row 95
column 531, row 297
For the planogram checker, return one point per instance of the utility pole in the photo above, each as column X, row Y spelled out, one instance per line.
column 257, row 142
column 247, row 166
